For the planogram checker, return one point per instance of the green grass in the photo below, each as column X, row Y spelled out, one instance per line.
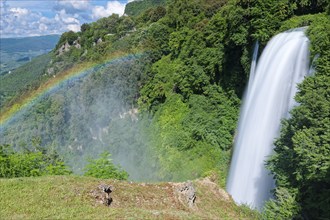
column 70, row 197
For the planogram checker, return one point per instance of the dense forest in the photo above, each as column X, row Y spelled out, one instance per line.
column 167, row 109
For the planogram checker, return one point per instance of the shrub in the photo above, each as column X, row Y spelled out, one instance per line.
column 104, row 168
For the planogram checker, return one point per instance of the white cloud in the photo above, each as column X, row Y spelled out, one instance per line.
column 3, row 7
column 67, row 21
column 43, row 27
column 19, row 11
column 24, row 22
column 75, row 4
column 73, row 27
column 113, row 7
column 73, row 12
column 72, row 6
column 18, row 21
column 40, row 17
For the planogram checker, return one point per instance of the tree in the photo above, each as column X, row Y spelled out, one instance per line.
column 301, row 162
column 29, row 163
column 69, row 37
column 104, row 168
column 284, row 206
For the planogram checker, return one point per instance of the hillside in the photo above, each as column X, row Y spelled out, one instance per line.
column 15, row 52
column 71, row 197
column 161, row 92
column 27, row 76
column 136, row 8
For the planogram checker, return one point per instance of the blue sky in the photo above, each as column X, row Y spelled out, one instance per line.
column 21, row 18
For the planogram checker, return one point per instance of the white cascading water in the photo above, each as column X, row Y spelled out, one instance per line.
column 269, row 98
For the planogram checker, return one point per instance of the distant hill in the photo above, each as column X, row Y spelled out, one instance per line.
column 15, row 52
column 22, row 78
column 24, row 44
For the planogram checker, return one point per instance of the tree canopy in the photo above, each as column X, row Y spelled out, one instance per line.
column 169, row 110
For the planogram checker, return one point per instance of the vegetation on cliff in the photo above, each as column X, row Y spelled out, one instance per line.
column 185, row 67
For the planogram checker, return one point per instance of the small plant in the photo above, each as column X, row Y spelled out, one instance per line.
column 104, row 168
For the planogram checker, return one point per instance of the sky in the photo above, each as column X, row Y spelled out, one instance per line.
column 22, row 18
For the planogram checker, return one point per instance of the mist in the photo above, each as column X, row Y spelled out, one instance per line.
column 90, row 116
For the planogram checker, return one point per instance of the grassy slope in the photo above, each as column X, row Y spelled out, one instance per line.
column 70, row 197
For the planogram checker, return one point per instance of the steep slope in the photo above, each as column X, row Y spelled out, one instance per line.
column 28, row 76
column 184, row 90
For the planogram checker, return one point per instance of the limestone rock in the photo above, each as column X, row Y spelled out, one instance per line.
column 102, row 194
column 187, row 193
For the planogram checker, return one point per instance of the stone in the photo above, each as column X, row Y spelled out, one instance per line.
column 102, row 194
column 188, row 192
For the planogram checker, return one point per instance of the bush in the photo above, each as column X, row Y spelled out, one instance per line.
column 284, row 207
column 104, row 168
column 25, row 164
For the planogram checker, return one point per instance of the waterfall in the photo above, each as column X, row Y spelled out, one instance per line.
column 269, row 98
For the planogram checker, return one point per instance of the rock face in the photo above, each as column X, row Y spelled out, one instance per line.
column 64, row 48
column 187, row 193
column 99, row 41
column 50, row 71
column 76, row 43
column 133, row 113
column 67, row 47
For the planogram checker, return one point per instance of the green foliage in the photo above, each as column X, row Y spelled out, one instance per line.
column 23, row 79
column 153, row 14
column 187, row 87
column 310, row 6
column 95, row 40
column 29, row 163
column 67, row 37
column 194, row 137
column 301, row 162
column 283, row 207
column 155, row 40
column 136, row 8
column 104, row 168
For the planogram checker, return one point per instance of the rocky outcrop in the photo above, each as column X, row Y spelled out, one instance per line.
column 102, row 194
column 220, row 193
column 132, row 113
column 64, row 48
column 50, row 71
column 186, row 193
column 76, row 43
column 99, row 41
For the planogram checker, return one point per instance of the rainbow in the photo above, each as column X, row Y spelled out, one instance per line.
column 53, row 85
